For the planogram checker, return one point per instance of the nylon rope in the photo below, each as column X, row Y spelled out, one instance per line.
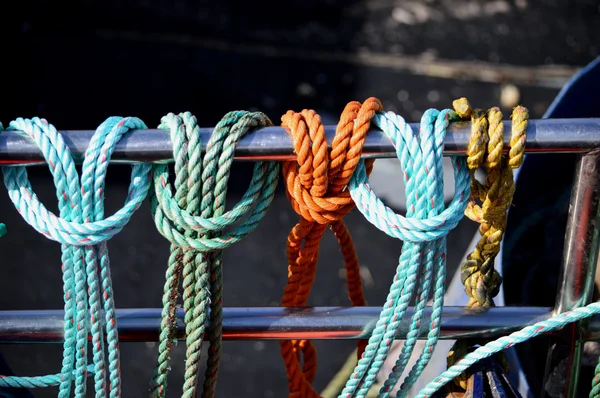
column 82, row 229
column 87, row 282
column 424, row 228
column 195, row 229
column 316, row 187
column 502, row 343
column 486, row 143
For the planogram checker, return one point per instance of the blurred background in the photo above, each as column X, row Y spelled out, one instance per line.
column 78, row 62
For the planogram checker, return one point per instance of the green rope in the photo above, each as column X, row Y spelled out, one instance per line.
column 195, row 229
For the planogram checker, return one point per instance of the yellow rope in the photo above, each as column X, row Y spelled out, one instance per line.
column 481, row 280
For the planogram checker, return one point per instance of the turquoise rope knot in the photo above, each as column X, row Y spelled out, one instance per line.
column 195, row 229
column 423, row 253
column 83, row 231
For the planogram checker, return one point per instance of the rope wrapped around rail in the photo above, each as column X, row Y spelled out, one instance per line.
column 323, row 184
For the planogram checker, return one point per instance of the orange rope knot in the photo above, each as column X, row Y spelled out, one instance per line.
column 316, row 188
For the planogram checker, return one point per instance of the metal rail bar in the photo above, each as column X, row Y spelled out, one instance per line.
column 274, row 143
column 576, row 281
column 277, row 323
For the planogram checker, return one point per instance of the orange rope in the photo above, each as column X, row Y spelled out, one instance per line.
column 316, row 188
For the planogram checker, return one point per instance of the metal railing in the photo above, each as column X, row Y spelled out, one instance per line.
column 582, row 244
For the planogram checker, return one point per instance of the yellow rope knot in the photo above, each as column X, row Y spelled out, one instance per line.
column 486, row 144
column 482, row 282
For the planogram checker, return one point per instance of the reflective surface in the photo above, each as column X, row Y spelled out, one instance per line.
column 278, row 323
column 582, row 243
column 274, row 143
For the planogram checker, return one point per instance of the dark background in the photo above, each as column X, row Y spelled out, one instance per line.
column 79, row 62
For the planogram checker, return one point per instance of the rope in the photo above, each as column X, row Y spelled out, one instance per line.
column 423, row 231
column 480, row 278
column 316, row 187
column 493, row 347
column 194, row 227
column 86, row 274
column 35, row 381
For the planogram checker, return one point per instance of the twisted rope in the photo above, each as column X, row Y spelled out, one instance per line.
column 480, row 278
column 87, row 283
column 424, row 197
column 493, row 347
column 316, row 187
column 35, row 381
column 195, row 230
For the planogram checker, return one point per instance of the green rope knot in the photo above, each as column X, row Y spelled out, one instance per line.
column 193, row 220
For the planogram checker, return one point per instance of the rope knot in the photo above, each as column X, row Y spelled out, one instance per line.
column 316, row 183
column 481, row 280
column 486, row 146
column 182, row 218
column 316, row 187
column 83, row 230
column 75, row 194
column 193, row 220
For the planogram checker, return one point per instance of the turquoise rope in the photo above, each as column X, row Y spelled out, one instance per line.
column 35, row 381
column 505, row 342
column 415, row 230
column 87, row 283
column 430, row 196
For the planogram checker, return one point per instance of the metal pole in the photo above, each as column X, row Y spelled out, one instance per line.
column 274, row 143
column 277, row 323
column 582, row 244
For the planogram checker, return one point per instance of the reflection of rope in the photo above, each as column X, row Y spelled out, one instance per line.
column 316, row 187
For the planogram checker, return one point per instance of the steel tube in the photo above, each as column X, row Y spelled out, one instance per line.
column 277, row 323
column 274, row 143
column 576, row 280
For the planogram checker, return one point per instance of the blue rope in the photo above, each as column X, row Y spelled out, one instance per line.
column 82, row 230
column 423, row 230
column 36, row 381
column 493, row 347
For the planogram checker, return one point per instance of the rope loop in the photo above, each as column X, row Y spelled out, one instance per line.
column 486, row 149
column 87, row 284
column 407, row 229
column 171, row 219
column 58, row 156
column 423, row 252
column 193, row 220
column 486, row 144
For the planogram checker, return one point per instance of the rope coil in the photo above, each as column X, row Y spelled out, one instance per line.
column 478, row 275
column 316, row 187
column 193, row 221
column 87, row 282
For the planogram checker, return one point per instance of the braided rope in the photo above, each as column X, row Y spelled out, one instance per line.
column 480, row 278
column 316, row 187
column 195, row 230
column 423, row 192
column 86, row 274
